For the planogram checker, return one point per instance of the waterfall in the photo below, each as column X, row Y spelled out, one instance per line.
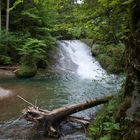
column 75, row 56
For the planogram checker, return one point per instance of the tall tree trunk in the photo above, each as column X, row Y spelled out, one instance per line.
column 7, row 16
column 0, row 15
column 132, row 85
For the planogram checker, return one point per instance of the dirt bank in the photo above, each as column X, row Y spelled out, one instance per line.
column 6, row 73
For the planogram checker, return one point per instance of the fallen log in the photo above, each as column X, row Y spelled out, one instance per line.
column 51, row 120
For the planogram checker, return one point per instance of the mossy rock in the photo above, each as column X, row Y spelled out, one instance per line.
column 111, row 57
column 98, row 49
column 105, row 60
column 26, row 71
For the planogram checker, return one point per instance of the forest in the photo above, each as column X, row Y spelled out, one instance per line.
column 33, row 32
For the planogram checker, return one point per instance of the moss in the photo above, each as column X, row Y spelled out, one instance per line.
column 104, row 60
column 26, row 71
column 122, row 109
column 98, row 49
column 111, row 57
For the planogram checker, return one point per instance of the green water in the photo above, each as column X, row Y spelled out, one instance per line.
column 52, row 91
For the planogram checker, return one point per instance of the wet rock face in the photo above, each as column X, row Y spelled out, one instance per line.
column 4, row 93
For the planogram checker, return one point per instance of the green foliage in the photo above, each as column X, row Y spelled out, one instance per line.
column 127, row 2
column 106, row 23
column 8, row 44
column 104, row 126
column 5, row 60
column 26, row 71
column 111, row 57
column 15, row 4
column 105, row 138
column 32, row 51
column 7, row 40
column 68, row 18
column 36, row 25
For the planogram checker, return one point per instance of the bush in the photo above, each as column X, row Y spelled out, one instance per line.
column 32, row 51
column 105, row 126
column 8, row 44
column 26, row 71
column 5, row 60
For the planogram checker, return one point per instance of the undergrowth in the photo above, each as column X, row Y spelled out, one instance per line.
column 105, row 126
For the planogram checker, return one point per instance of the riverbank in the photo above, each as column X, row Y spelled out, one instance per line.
column 6, row 73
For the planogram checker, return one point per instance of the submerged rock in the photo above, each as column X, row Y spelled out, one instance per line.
column 4, row 93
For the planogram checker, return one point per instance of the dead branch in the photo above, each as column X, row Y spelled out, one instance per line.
column 52, row 119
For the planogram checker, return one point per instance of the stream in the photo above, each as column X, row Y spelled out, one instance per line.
column 77, row 77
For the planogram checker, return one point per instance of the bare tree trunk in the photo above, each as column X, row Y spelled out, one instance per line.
column 52, row 119
column 0, row 15
column 7, row 16
column 132, row 85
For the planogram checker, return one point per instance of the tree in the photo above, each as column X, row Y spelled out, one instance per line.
column 132, row 85
column 7, row 15
column 0, row 16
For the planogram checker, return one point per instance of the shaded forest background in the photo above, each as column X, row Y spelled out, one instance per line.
column 29, row 31
column 32, row 27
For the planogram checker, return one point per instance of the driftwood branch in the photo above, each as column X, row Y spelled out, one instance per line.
column 36, row 107
column 25, row 100
column 52, row 119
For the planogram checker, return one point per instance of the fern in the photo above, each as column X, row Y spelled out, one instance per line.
column 32, row 50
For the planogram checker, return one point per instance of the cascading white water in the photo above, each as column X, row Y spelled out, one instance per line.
column 76, row 57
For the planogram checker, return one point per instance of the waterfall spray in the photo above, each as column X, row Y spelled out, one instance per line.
column 76, row 57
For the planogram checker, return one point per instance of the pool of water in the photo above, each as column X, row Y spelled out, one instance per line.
column 53, row 91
